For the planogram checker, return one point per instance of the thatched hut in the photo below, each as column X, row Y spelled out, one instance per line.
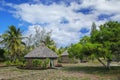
column 42, row 52
column 65, row 58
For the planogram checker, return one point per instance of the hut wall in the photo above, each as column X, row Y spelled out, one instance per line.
column 55, row 62
column 29, row 63
column 65, row 59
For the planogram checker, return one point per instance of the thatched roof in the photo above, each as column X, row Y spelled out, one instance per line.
column 41, row 52
column 65, row 53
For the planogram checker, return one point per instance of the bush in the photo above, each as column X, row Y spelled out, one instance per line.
column 16, row 62
column 59, row 60
column 46, row 62
column 36, row 63
column 21, row 64
column 73, row 60
column 8, row 63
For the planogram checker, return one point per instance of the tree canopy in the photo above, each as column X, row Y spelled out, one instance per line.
column 103, row 43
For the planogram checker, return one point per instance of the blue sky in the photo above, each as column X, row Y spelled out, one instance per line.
column 69, row 20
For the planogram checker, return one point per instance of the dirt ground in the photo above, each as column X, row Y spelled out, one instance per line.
column 67, row 72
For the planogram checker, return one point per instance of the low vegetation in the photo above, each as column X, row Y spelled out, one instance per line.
column 81, row 71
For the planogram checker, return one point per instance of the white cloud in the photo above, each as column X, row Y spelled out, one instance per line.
column 64, row 34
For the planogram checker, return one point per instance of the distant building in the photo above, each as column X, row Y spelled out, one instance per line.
column 65, row 58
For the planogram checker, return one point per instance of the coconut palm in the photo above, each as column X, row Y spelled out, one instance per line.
column 12, row 41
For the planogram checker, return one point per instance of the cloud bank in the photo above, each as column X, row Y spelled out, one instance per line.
column 68, row 22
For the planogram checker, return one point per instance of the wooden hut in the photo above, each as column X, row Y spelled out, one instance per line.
column 42, row 52
column 65, row 58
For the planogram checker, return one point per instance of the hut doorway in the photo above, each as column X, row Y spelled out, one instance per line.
column 51, row 63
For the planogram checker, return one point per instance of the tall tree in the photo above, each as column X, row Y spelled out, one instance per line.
column 40, row 36
column 93, row 28
column 85, row 39
column 76, row 51
column 12, row 40
column 109, row 36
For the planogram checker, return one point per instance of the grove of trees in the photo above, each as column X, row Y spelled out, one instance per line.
column 103, row 44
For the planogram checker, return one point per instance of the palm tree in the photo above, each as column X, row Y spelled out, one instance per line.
column 12, row 40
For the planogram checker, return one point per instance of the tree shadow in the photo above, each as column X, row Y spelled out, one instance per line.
column 115, row 70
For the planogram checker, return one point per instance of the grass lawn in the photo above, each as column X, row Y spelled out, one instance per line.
column 81, row 71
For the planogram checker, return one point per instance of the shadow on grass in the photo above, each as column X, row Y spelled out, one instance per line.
column 35, row 68
column 115, row 70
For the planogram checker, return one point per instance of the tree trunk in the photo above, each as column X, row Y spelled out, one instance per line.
column 81, row 61
column 101, row 62
column 108, row 64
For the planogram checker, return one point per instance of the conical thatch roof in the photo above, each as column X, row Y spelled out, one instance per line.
column 41, row 52
column 65, row 53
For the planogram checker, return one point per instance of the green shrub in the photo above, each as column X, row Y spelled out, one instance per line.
column 59, row 60
column 21, row 64
column 73, row 60
column 46, row 62
column 36, row 63
column 16, row 62
column 8, row 63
